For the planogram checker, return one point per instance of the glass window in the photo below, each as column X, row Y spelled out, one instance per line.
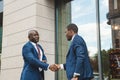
column 1, row 6
column 115, row 4
column 84, row 15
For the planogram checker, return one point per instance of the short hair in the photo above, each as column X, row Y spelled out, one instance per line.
column 73, row 27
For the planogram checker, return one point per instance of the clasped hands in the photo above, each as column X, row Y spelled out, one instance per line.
column 54, row 67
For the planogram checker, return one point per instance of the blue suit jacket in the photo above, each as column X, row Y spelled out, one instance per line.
column 32, row 63
column 77, row 60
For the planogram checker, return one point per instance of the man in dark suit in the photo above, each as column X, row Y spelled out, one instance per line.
column 34, row 59
column 77, row 64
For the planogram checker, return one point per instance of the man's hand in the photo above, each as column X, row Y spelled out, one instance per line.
column 53, row 67
column 76, row 78
column 44, row 61
column 58, row 66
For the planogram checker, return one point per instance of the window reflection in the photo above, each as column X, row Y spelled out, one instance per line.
column 84, row 15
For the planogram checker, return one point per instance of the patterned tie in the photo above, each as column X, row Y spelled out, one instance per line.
column 38, row 51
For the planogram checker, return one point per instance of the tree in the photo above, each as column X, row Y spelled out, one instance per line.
column 105, row 62
column 94, row 62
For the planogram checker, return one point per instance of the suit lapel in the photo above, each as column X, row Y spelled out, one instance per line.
column 71, row 45
column 34, row 50
column 69, row 48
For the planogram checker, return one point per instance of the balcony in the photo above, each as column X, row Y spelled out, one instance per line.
column 113, row 15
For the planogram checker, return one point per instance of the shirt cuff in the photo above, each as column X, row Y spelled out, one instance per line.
column 77, row 74
column 61, row 66
column 40, row 69
column 48, row 67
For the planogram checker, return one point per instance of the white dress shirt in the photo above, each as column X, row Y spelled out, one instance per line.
column 41, row 54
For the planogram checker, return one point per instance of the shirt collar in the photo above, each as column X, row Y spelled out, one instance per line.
column 33, row 43
column 73, row 37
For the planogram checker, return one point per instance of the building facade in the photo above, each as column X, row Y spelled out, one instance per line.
column 49, row 17
column 114, row 20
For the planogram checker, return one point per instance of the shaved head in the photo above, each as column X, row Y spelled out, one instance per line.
column 31, row 32
column 33, row 36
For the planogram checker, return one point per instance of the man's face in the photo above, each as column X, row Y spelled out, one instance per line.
column 68, row 34
column 34, row 37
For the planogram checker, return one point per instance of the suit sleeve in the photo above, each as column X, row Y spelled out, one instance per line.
column 64, row 65
column 31, row 59
column 44, row 57
column 80, row 55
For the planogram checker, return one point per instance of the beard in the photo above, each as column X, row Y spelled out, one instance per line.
column 69, row 38
column 35, row 40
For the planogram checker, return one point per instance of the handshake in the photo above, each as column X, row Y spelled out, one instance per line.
column 54, row 67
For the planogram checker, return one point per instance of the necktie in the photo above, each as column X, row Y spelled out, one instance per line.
column 38, row 51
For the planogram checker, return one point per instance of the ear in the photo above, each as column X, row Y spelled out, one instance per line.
column 28, row 36
column 71, row 31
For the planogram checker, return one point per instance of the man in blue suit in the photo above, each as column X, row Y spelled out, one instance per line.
column 34, row 59
column 77, row 64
